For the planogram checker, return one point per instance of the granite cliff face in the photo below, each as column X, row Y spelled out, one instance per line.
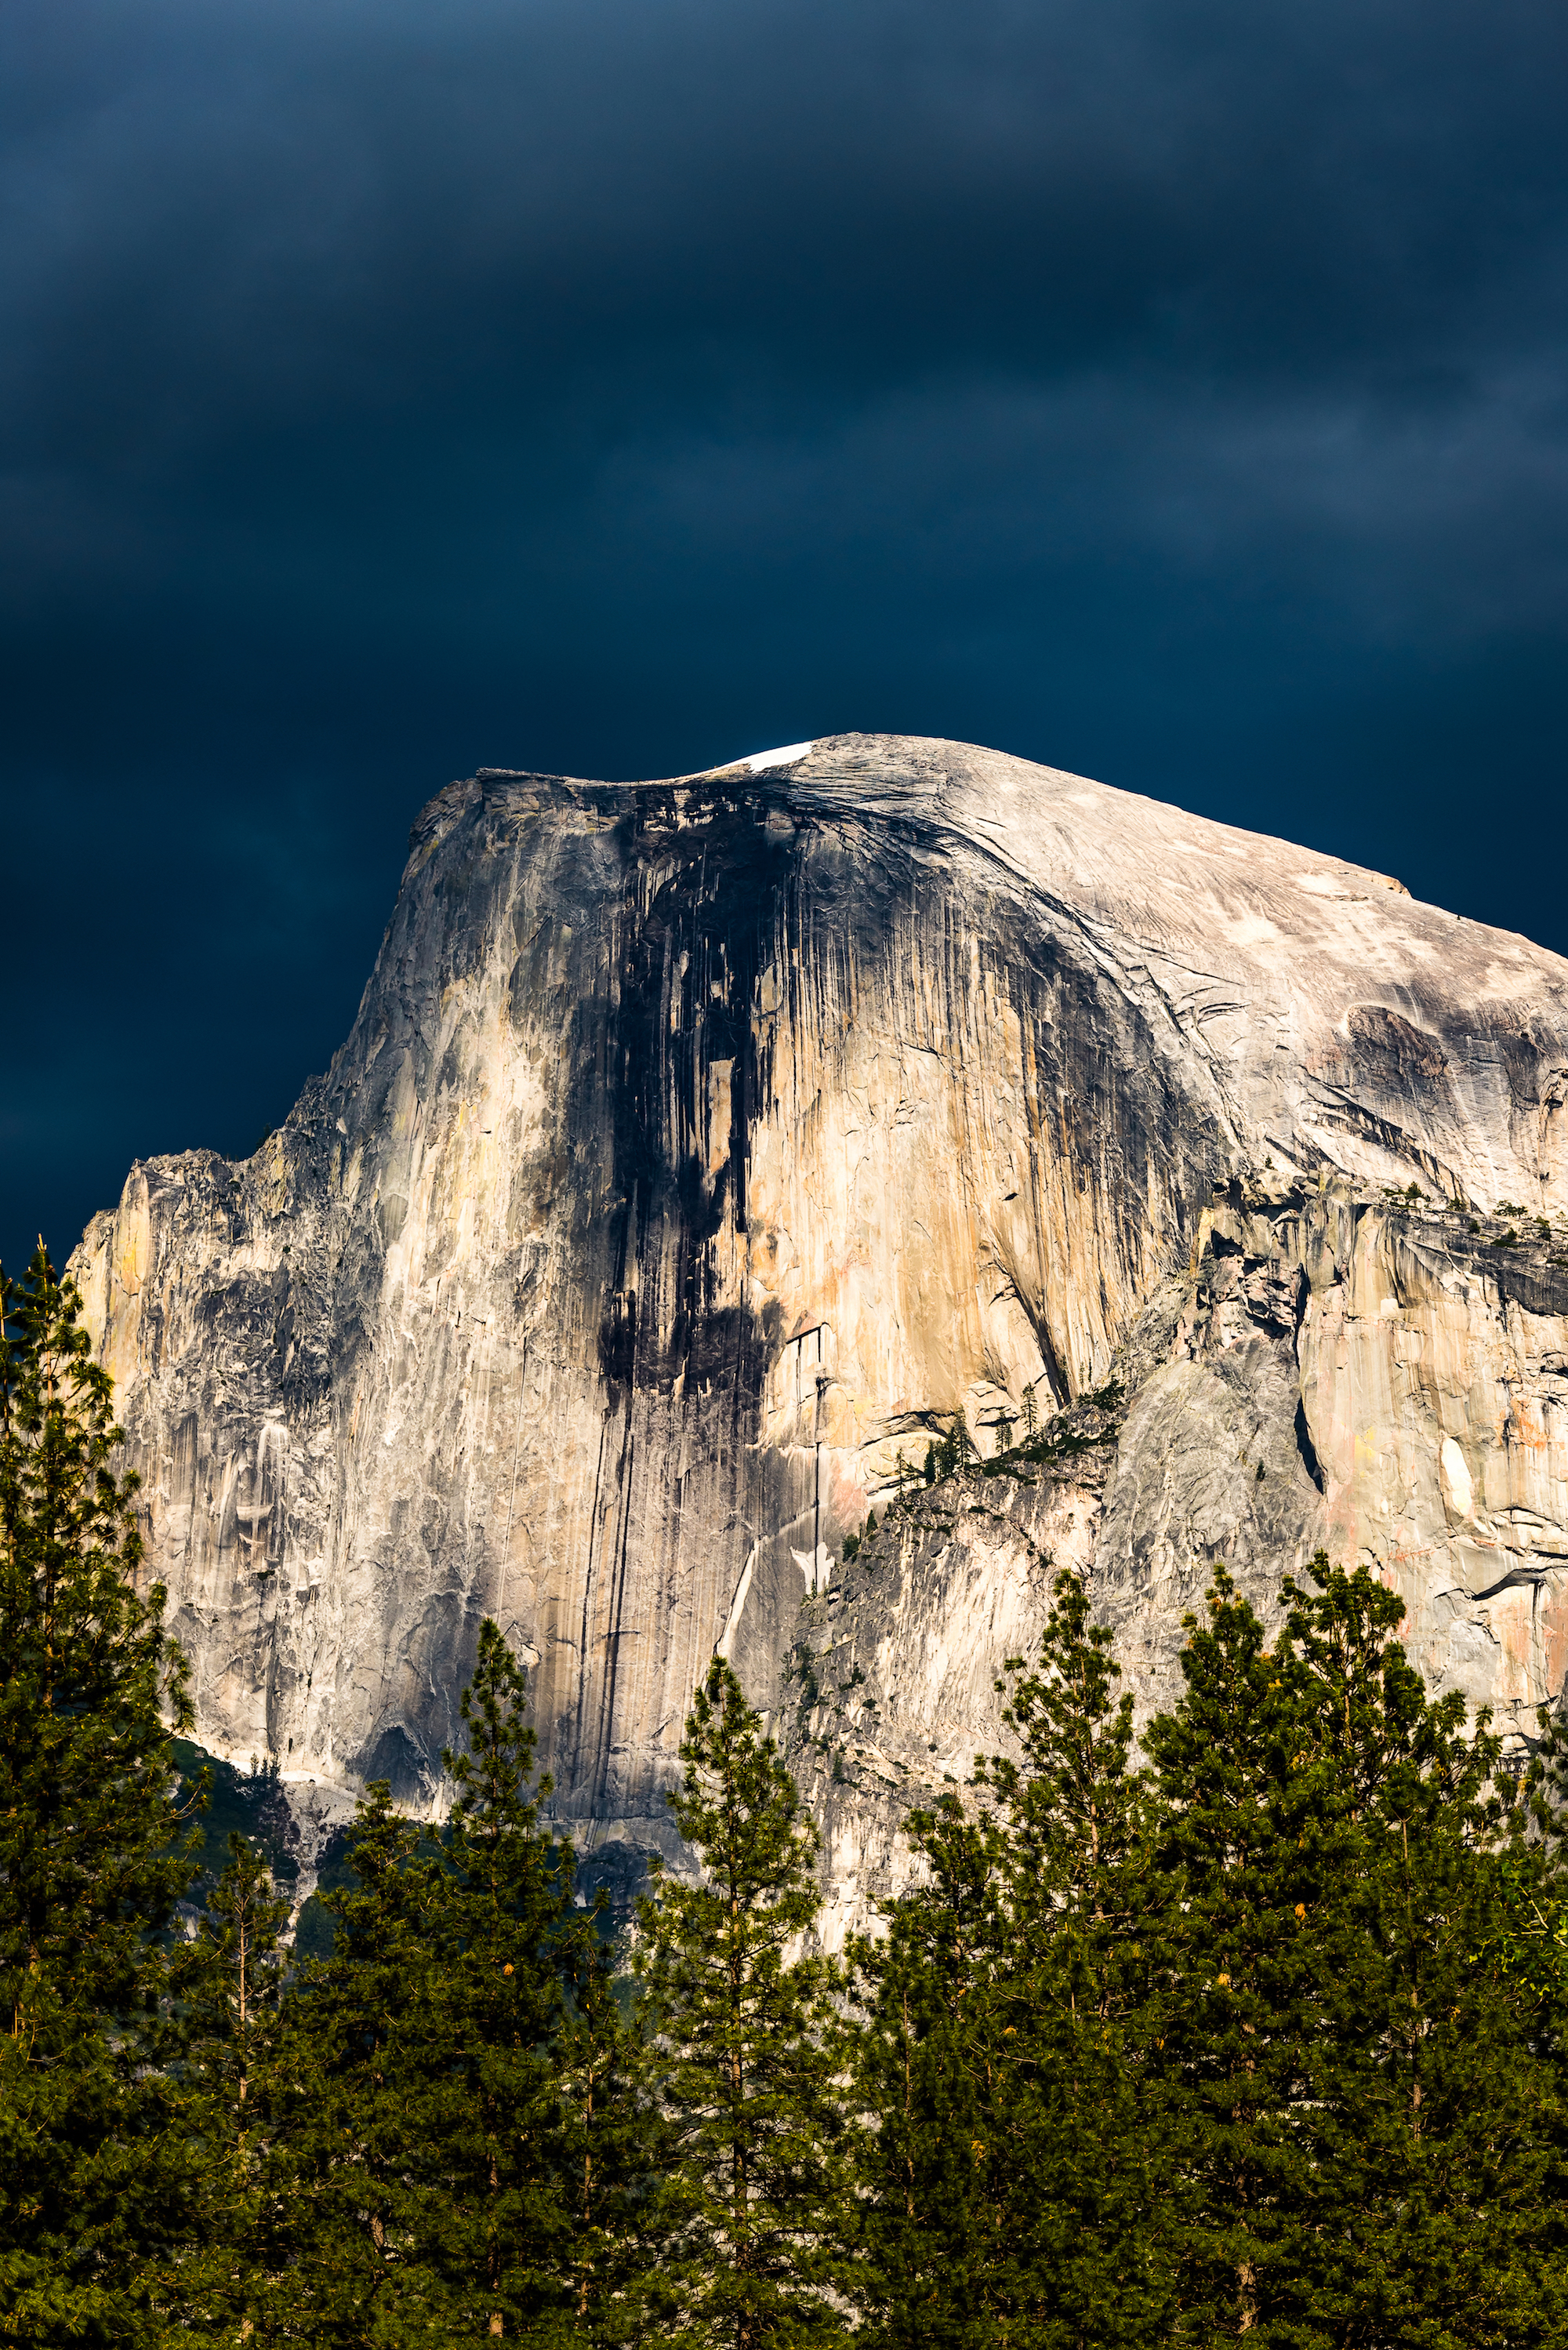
column 701, row 1145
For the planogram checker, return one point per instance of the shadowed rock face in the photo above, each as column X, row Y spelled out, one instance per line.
column 700, row 1145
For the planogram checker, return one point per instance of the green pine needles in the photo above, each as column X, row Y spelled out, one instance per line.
column 1363, row 2096
column 212, row 2287
column 747, row 2056
column 1253, row 2027
column 1264, row 2039
column 96, row 2179
column 1010, row 2191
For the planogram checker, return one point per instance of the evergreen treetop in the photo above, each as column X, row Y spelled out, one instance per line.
column 747, row 2054
column 358, row 2092
column 216, row 2284
column 91, row 1685
column 505, row 1928
column 94, row 2181
column 1009, row 2182
column 1362, row 2119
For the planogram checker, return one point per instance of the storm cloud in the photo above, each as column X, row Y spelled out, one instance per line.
column 1174, row 392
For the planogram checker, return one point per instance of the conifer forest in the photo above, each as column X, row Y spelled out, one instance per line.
column 1249, row 2023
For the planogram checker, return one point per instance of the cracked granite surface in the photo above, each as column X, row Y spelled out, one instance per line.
column 700, row 1146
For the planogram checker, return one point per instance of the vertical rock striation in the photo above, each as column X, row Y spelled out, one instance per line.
column 700, row 1146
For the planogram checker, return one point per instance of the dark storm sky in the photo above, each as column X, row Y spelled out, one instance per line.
column 1174, row 392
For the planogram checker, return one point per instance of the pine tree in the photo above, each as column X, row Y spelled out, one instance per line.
column 1008, row 2185
column 1350, row 2078
column 218, row 2286
column 1085, row 1900
column 506, row 1939
column 1243, row 1838
column 1533, row 1944
column 1536, row 1870
column 746, row 2045
column 619, row 2150
column 938, row 2191
column 946, row 1459
column 1434, row 2108
column 94, row 2189
column 359, row 2200
column 460, row 2153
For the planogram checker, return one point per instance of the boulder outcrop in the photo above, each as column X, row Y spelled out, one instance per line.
column 701, row 1146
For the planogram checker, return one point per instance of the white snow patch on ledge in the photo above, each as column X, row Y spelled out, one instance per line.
column 791, row 752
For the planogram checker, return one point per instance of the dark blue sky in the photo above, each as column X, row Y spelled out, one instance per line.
column 1174, row 392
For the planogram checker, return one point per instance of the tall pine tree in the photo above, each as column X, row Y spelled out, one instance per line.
column 617, row 2149
column 358, row 2199
column 1249, row 1841
column 218, row 2286
column 1009, row 2186
column 1349, row 2077
column 747, row 2045
column 503, row 1924
column 94, row 2185
column 1085, row 1902
column 1434, row 2105
column 940, row 2193
column 457, row 2148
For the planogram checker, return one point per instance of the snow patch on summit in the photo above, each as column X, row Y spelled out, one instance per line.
column 784, row 758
